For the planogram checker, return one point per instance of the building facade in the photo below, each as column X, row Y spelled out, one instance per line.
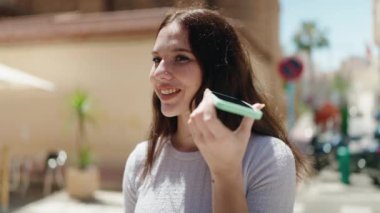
column 103, row 47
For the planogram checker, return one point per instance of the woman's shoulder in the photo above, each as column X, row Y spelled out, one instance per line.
column 267, row 160
column 139, row 152
column 141, row 147
column 264, row 146
column 136, row 159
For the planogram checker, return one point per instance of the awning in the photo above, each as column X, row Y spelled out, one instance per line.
column 12, row 78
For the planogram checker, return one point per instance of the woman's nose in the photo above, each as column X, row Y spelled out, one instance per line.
column 162, row 71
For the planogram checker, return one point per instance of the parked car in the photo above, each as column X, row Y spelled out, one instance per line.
column 324, row 146
column 373, row 154
column 358, row 146
column 376, row 132
column 372, row 167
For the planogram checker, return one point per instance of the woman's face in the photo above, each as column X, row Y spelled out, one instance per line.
column 175, row 75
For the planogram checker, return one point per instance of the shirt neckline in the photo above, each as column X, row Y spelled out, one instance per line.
column 195, row 155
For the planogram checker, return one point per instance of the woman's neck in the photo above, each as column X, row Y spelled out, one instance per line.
column 182, row 139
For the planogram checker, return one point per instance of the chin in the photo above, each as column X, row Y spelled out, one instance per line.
column 168, row 113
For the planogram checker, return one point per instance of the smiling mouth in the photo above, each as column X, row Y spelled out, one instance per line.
column 169, row 91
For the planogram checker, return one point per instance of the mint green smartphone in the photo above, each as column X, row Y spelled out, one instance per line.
column 235, row 106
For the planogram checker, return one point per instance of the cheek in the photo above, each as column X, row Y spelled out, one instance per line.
column 198, row 77
column 151, row 75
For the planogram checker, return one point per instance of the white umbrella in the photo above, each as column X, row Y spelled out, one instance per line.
column 14, row 78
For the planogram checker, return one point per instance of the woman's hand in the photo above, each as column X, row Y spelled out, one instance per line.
column 222, row 149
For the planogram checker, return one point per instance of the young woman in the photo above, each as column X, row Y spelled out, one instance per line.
column 199, row 159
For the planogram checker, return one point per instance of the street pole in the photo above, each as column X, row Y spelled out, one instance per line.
column 376, row 21
column 291, row 90
column 290, row 69
column 376, row 30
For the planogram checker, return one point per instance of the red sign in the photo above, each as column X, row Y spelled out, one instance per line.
column 290, row 68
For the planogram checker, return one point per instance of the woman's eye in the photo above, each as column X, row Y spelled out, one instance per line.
column 181, row 58
column 156, row 60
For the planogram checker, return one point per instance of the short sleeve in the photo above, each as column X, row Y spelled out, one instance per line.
column 130, row 187
column 271, row 177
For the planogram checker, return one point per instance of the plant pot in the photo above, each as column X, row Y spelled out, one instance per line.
column 82, row 183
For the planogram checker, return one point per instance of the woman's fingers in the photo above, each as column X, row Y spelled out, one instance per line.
column 207, row 127
column 206, row 117
column 199, row 119
column 193, row 130
column 247, row 123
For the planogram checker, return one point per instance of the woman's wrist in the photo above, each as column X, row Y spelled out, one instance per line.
column 227, row 175
column 228, row 192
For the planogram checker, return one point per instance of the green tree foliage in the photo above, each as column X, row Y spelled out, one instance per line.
column 310, row 37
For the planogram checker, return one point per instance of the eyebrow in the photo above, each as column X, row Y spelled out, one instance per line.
column 176, row 50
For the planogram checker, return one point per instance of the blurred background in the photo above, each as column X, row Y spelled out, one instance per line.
column 75, row 95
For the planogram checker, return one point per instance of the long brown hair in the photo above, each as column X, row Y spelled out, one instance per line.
column 226, row 68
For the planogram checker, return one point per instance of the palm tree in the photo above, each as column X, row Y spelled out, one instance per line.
column 84, row 179
column 81, row 106
column 308, row 38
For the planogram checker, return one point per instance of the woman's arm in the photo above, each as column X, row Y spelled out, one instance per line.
column 130, row 176
column 129, row 191
column 223, row 151
column 228, row 193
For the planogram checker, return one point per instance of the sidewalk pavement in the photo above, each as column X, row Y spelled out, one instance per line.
column 322, row 193
column 325, row 193
column 61, row 202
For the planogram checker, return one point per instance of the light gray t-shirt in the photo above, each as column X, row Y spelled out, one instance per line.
column 181, row 182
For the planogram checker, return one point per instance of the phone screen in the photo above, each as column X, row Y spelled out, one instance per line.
column 231, row 99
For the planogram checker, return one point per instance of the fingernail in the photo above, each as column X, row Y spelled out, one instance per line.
column 206, row 116
column 207, row 90
column 261, row 106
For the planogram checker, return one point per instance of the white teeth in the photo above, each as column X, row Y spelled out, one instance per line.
column 168, row 91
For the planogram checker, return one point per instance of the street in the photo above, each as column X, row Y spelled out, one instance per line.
column 325, row 194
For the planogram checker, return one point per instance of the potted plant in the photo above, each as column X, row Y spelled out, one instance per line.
column 83, row 179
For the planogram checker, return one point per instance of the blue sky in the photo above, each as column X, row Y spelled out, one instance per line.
column 348, row 24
